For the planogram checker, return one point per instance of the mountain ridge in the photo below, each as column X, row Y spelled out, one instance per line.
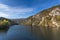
column 48, row 17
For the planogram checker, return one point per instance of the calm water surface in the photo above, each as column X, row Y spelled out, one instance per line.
column 18, row 32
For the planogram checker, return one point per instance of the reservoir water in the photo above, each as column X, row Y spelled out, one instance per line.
column 18, row 32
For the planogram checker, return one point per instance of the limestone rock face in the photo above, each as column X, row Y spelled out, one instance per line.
column 47, row 18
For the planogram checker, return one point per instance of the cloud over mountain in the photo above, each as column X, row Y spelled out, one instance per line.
column 7, row 11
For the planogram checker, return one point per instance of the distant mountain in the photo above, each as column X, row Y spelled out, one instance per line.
column 5, row 23
column 19, row 21
column 47, row 18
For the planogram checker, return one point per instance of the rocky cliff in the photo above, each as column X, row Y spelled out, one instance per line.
column 47, row 18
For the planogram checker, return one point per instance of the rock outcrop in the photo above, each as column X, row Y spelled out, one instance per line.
column 47, row 18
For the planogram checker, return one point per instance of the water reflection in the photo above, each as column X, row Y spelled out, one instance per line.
column 46, row 33
column 19, row 32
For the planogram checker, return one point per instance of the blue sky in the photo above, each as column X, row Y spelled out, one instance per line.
column 24, row 8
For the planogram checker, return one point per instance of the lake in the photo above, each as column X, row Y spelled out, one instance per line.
column 18, row 32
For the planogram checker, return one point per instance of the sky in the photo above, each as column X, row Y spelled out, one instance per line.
column 14, row 9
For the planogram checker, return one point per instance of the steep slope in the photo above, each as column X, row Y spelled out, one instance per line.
column 48, row 18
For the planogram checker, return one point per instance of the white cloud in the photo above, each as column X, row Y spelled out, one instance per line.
column 2, row 14
column 4, row 7
column 6, row 10
column 21, row 10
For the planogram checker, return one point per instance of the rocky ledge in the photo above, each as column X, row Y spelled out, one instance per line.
column 46, row 18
